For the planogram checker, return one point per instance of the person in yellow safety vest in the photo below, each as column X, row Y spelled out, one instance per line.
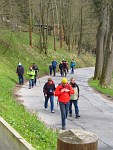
column 31, row 74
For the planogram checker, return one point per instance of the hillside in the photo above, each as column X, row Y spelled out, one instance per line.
column 14, row 48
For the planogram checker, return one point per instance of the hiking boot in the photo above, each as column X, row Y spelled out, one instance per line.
column 70, row 115
column 52, row 111
column 77, row 116
column 63, row 127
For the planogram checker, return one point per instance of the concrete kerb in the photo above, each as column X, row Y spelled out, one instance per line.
column 10, row 138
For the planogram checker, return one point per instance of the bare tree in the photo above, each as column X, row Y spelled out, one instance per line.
column 107, row 70
column 101, row 33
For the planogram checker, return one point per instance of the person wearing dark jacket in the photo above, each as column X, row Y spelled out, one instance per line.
column 50, row 69
column 61, row 68
column 48, row 91
column 74, row 98
column 35, row 67
column 20, row 73
column 63, row 91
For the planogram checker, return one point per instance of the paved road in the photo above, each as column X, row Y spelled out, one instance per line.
column 95, row 110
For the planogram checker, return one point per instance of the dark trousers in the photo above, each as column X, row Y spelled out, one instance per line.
column 75, row 103
column 35, row 79
column 50, row 71
column 64, row 112
column 54, row 71
column 61, row 72
column 21, row 79
column 64, row 72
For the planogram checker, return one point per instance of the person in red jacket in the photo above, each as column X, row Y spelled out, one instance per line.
column 63, row 91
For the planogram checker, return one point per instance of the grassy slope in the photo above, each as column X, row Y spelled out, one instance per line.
column 14, row 48
column 107, row 91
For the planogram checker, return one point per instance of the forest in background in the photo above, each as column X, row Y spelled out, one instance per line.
column 82, row 25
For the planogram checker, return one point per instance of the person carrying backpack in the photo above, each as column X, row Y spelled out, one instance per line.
column 63, row 91
column 20, row 73
column 74, row 98
column 72, row 65
column 48, row 91
column 31, row 74
column 64, row 67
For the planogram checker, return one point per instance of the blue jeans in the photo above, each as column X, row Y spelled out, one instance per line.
column 72, row 70
column 31, row 83
column 51, row 102
column 21, row 79
column 75, row 103
column 64, row 112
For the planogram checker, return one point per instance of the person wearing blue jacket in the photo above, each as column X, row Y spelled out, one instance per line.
column 54, row 65
column 72, row 65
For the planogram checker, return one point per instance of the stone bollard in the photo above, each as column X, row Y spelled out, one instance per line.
column 77, row 139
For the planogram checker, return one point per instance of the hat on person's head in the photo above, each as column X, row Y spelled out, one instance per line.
column 64, row 80
column 19, row 64
column 49, row 79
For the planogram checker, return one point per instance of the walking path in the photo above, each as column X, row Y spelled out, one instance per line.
column 95, row 110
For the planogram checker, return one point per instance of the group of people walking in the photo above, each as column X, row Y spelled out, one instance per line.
column 63, row 67
column 67, row 93
column 32, row 74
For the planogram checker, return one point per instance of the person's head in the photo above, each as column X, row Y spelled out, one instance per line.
column 72, row 80
column 30, row 67
column 19, row 64
column 64, row 81
column 49, row 80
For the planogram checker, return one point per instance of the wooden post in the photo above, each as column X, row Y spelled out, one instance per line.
column 77, row 139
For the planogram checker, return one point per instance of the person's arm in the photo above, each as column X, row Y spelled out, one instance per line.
column 45, row 90
column 78, row 91
column 58, row 91
column 71, row 90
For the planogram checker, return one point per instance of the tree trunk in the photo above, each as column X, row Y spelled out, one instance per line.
column 81, row 27
column 108, row 62
column 61, row 24
column 100, row 44
column 77, row 140
column 53, row 16
column 46, row 45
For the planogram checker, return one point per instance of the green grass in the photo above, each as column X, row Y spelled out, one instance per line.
column 14, row 48
column 107, row 91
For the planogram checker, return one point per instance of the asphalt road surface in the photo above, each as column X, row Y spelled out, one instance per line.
column 96, row 110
